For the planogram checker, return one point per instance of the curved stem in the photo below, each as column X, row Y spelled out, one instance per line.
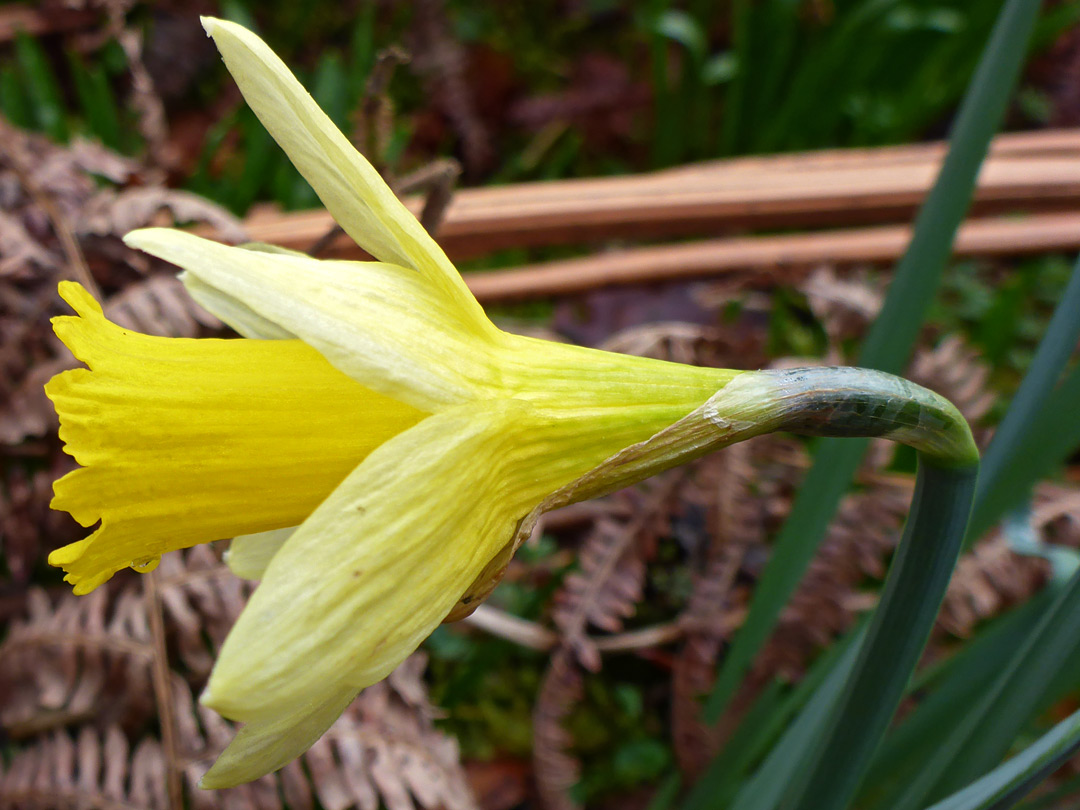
column 845, row 402
column 898, row 632
column 842, row 402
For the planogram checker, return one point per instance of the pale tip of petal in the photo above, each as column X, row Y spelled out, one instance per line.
column 212, row 781
column 209, row 24
column 139, row 239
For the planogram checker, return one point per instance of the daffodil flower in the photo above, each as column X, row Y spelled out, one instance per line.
column 375, row 408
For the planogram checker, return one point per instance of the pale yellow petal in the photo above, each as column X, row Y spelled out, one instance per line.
column 376, row 322
column 249, row 554
column 345, row 181
column 188, row 441
column 271, row 742
column 384, row 559
column 242, row 318
column 379, row 564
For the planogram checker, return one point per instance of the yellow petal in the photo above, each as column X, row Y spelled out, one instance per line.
column 378, row 565
column 348, row 185
column 270, row 742
column 242, row 318
column 383, row 560
column 376, row 322
column 187, row 441
column 249, row 554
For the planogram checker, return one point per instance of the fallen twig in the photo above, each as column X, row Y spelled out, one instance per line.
column 1030, row 171
column 787, row 256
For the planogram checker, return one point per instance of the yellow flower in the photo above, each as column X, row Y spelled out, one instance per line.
column 372, row 405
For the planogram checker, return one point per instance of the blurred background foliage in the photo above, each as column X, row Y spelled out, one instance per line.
column 565, row 89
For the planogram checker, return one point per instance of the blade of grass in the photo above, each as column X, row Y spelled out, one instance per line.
column 666, row 794
column 765, row 789
column 1009, row 783
column 42, row 87
column 759, row 728
column 891, row 338
column 823, row 64
column 667, row 137
column 774, row 31
column 720, row 780
column 733, row 120
column 96, row 100
column 985, row 733
column 1053, row 798
column 1004, row 484
column 13, row 102
column 947, row 696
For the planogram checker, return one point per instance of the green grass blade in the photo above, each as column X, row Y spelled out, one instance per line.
column 766, row 722
column 985, row 733
column 720, row 780
column 916, row 279
column 1009, row 783
column 13, row 102
column 765, row 790
column 97, row 101
column 949, row 694
column 1053, row 798
column 834, row 465
column 733, row 122
column 42, row 88
column 1002, row 485
column 666, row 794
column 898, row 632
column 667, row 135
column 980, row 114
column 361, row 50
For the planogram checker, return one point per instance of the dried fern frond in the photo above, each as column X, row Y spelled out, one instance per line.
column 79, row 659
column 384, row 751
column 993, row 576
column 605, row 592
column 25, row 516
column 58, row 223
column 556, row 769
column 87, row 662
column 201, row 599
column 160, row 306
column 843, row 306
column 856, row 547
column 91, row 769
column 611, row 580
column 736, row 523
column 987, row 580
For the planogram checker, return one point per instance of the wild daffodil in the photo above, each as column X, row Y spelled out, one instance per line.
column 374, row 407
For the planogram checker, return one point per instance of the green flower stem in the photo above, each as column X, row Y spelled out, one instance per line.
column 846, row 402
column 840, row 402
column 843, row 402
column 898, row 632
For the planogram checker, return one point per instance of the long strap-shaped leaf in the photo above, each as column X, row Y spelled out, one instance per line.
column 890, row 340
column 1007, row 784
column 984, row 735
column 1034, row 411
